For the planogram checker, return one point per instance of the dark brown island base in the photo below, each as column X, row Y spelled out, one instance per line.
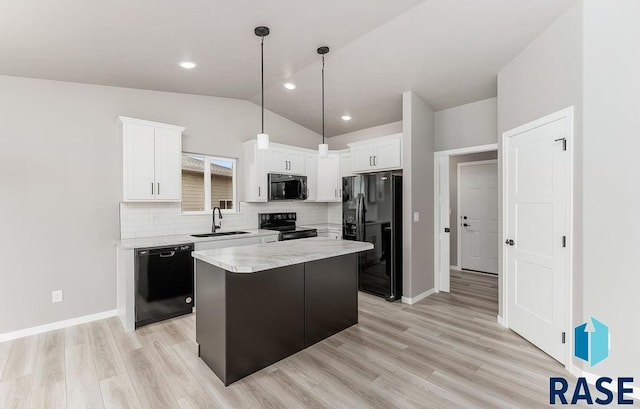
column 257, row 305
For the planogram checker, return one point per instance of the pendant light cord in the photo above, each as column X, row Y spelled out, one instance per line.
column 323, row 98
column 262, row 78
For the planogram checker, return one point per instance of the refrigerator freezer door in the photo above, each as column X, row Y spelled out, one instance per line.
column 376, row 268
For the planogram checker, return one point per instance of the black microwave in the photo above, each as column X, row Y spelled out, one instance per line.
column 287, row 187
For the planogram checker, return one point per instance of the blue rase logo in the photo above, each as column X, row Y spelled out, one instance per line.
column 592, row 347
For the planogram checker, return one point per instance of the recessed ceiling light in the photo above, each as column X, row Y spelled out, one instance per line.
column 187, row 65
column 346, row 117
column 289, row 85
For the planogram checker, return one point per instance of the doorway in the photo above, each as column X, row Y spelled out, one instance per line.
column 446, row 209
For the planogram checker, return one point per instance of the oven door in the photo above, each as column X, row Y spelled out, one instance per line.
column 287, row 187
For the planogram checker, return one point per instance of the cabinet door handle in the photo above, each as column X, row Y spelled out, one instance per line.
column 375, row 158
column 258, row 191
column 158, row 187
column 151, row 187
column 370, row 164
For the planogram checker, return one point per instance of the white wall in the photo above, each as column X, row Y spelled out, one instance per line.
column 611, row 194
column 341, row 141
column 454, row 223
column 418, row 135
column 544, row 78
column 60, row 165
column 466, row 125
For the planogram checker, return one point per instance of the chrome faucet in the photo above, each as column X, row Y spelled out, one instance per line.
column 216, row 226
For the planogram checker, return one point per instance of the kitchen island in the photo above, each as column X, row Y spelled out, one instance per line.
column 259, row 304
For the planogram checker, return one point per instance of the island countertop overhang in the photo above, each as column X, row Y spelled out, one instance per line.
column 266, row 256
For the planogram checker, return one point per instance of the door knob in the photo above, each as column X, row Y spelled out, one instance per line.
column 509, row 242
column 466, row 225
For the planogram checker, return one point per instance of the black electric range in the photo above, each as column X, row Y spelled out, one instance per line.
column 285, row 223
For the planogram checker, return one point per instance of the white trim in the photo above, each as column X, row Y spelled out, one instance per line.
column 136, row 121
column 592, row 378
column 419, row 297
column 458, row 207
column 500, row 320
column 436, row 202
column 8, row 336
column 455, row 268
column 471, row 149
column 556, row 116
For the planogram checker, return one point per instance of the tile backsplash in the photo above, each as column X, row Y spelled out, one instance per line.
column 164, row 219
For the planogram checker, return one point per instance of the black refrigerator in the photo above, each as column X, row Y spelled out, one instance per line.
column 372, row 212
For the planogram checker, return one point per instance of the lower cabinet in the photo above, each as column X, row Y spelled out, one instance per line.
column 248, row 321
column 330, row 297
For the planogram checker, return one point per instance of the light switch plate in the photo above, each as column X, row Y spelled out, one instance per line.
column 416, row 216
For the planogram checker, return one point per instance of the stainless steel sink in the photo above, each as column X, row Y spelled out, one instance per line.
column 223, row 233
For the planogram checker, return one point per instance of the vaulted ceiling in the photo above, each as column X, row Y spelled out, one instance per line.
column 447, row 51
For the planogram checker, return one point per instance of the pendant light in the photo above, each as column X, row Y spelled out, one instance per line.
column 263, row 138
column 323, row 148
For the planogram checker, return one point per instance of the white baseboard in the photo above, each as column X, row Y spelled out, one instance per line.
column 500, row 320
column 455, row 268
column 592, row 378
column 7, row 336
column 419, row 297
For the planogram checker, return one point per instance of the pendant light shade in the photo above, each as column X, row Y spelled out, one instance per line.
column 323, row 148
column 263, row 138
column 263, row 141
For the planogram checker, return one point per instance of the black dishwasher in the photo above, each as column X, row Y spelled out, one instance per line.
column 164, row 283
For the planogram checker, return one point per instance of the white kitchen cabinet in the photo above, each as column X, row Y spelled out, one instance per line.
column 345, row 165
column 311, row 166
column 362, row 157
column 377, row 154
column 285, row 161
column 151, row 161
column 255, row 173
column 329, row 186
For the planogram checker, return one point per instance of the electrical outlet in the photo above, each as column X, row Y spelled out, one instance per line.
column 56, row 296
column 416, row 216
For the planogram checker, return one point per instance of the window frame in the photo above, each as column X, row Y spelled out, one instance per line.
column 207, row 184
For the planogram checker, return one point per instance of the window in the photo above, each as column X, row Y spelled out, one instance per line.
column 207, row 182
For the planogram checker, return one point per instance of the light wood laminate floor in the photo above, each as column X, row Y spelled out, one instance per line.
column 444, row 352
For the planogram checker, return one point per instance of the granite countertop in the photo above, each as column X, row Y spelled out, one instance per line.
column 259, row 257
column 158, row 241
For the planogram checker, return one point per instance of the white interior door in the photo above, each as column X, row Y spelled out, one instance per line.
column 478, row 215
column 537, row 212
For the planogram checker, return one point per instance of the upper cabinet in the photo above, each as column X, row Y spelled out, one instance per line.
column 377, row 154
column 287, row 161
column 255, row 173
column 329, row 182
column 311, row 166
column 151, row 161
